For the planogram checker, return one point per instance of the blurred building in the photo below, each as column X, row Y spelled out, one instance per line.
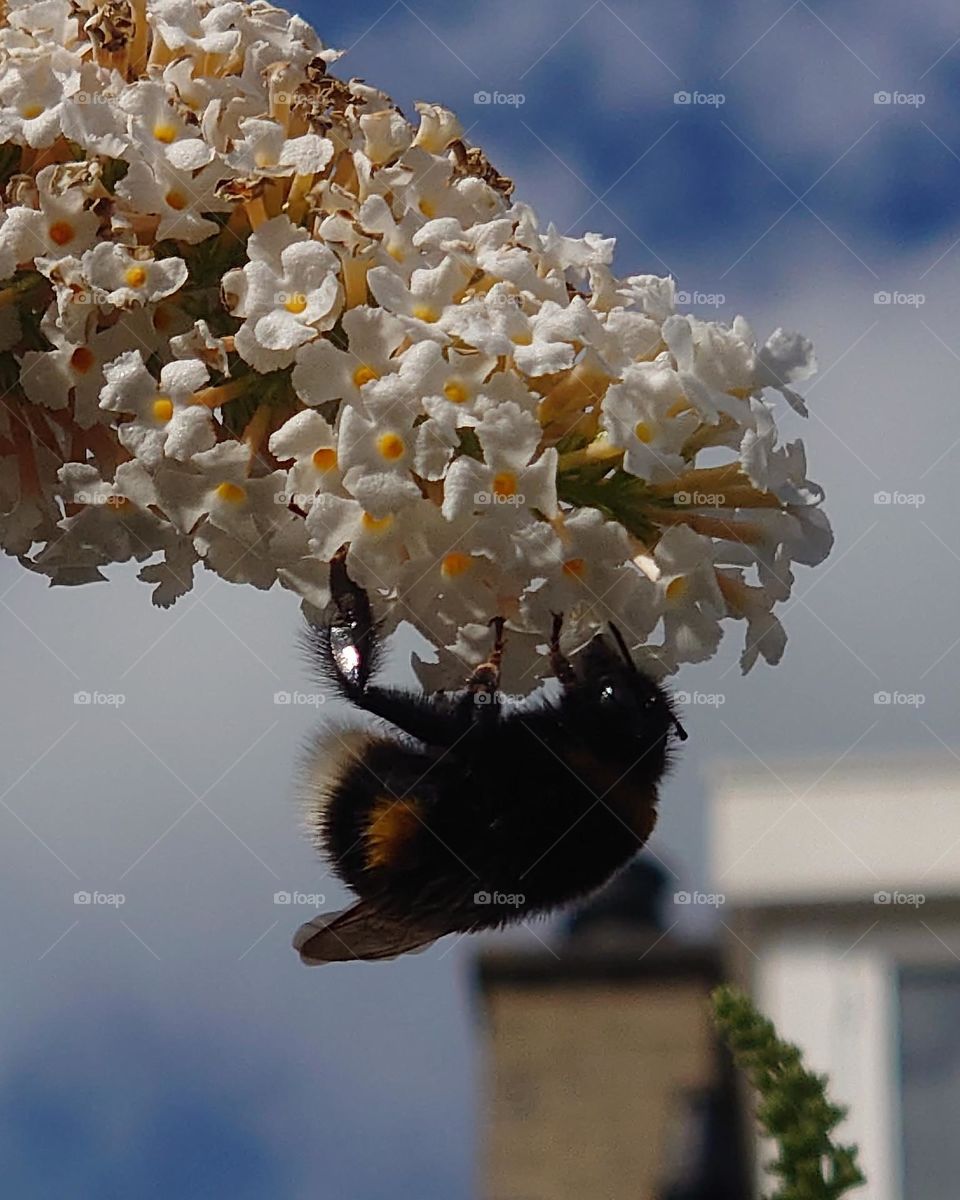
column 842, row 897
column 603, row 1077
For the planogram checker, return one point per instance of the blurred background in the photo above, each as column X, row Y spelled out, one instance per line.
column 796, row 162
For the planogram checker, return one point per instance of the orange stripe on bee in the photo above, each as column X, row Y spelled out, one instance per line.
column 392, row 828
column 610, row 782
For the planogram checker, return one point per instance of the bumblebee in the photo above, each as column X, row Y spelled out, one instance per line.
column 468, row 816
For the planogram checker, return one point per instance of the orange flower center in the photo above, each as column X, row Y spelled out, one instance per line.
column 455, row 564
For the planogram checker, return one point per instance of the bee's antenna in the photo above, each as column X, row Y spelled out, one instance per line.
column 623, row 647
column 628, row 659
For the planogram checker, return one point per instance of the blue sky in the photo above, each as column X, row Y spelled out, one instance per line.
column 174, row 1046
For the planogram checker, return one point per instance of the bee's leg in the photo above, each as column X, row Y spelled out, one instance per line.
column 483, row 686
column 343, row 642
column 558, row 660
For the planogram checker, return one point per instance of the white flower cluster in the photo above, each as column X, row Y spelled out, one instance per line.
column 251, row 316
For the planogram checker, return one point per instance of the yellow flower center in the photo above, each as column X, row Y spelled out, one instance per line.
column 376, row 524
column 324, row 459
column 164, row 132
column 232, row 493
column 575, row 568
column 505, row 484
column 61, row 232
column 455, row 564
column 522, row 339
column 29, row 111
column 429, row 210
column 397, row 252
column 390, row 446
column 678, row 407
column 676, row 588
column 364, row 374
column 81, row 360
column 295, row 304
column 176, row 200
column 455, row 392
column 135, row 276
column 643, row 432
column 163, row 409
column 424, row 312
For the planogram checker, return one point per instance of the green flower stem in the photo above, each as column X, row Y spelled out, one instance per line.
column 793, row 1109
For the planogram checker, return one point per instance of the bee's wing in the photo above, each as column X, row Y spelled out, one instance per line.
column 360, row 932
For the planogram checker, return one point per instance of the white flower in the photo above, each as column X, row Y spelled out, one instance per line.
column 289, row 291
column 120, row 278
column 786, row 358
column 541, row 344
column 438, row 128
column 454, row 580
column 765, row 635
column 62, row 226
column 421, row 303
column 115, row 517
column 264, row 148
column 376, row 458
column 217, row 486
column 73, row 370
column 167, row 422
column 378, row 545
column 778, row 469
column 511, row 481
column 396, row 234
column 648, row 415
column 577, row 563
column 386, row 135
column 311, row 444
column 33, row 95
column 692, row 601
column 177, row 197
column 324, row 372
column 162, row 128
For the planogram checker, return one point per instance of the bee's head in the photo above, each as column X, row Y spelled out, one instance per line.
column 610, row 681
